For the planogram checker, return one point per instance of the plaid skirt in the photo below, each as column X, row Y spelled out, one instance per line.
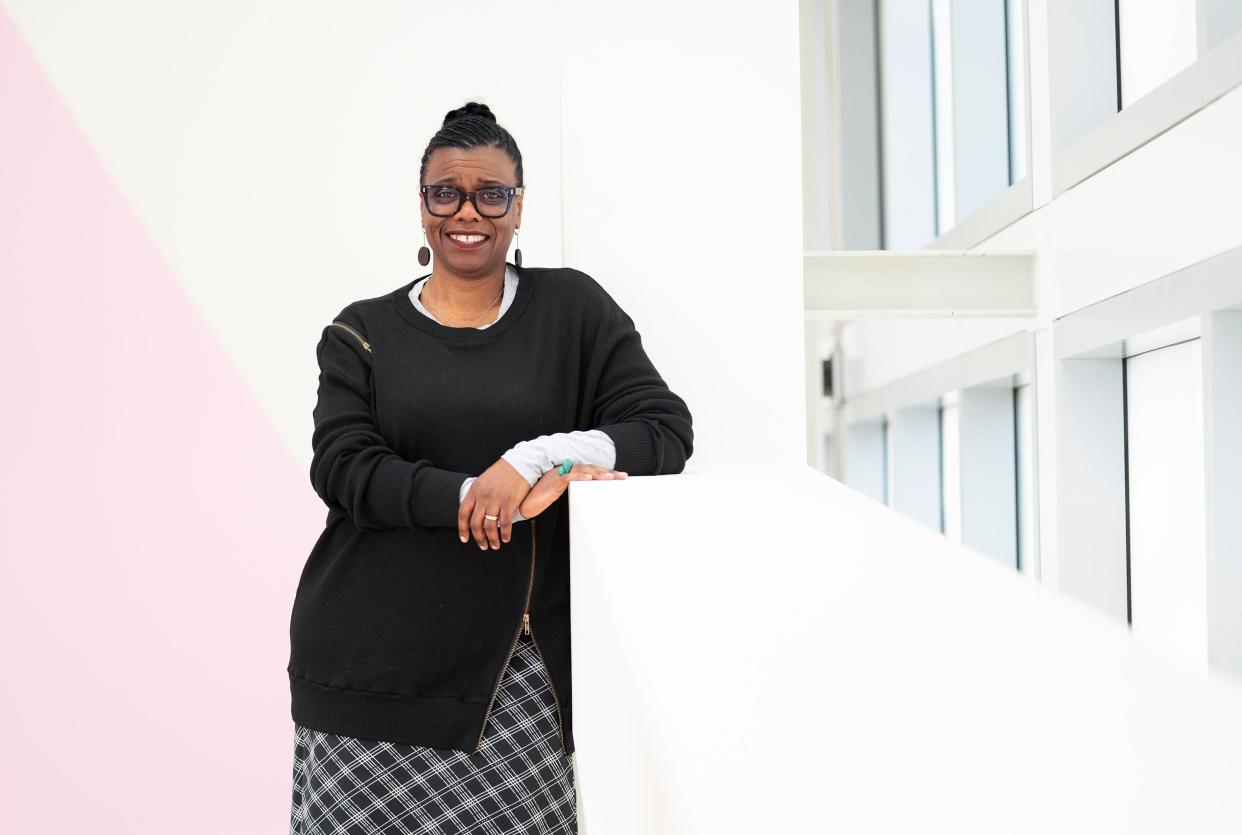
column 520, row 782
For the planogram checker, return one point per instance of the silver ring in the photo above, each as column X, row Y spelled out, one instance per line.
column 493, row 518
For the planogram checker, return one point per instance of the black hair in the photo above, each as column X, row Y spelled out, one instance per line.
column 472, row 126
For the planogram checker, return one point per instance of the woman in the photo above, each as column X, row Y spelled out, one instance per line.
column 430, row 679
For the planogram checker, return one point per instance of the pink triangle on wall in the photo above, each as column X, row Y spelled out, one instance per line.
column 154, row 524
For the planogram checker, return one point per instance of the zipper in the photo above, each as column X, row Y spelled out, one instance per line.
column 357, row 335
column 523, row 626
column 559, row 721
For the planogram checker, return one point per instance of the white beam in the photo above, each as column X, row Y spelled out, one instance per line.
column 923, row 283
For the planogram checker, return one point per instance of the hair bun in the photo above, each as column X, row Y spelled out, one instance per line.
column 471, row 108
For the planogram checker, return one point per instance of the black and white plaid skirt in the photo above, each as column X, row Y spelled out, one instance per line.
column 520, row 782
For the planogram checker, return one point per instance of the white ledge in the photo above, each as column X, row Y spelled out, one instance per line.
column 861, row 284
column 771, row 651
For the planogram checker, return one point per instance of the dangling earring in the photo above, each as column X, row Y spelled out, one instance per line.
column 517, row 253
column 424, row 254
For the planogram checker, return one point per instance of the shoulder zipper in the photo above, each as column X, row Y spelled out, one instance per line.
column 357, row 335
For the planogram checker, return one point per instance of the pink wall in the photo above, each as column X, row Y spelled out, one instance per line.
column 153, row 522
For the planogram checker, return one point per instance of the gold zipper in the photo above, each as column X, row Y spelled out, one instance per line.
column 524, row 625
column 357, row 335
column 559, row 721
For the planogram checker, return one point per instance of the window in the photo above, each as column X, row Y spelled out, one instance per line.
column 1223, row 18
column 1123, row 72
column 864, row 466
column 953, row 112
column 950, row 471
column 1165, row 489
column 1154, row 42
column 1024, row 449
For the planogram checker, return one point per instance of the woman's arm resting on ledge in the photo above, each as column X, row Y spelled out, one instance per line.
column 650, row 426
column 535, row 457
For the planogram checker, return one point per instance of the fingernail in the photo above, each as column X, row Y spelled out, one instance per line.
column 463, row 539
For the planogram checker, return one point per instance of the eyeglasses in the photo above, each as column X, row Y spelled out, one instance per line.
column 446, row 201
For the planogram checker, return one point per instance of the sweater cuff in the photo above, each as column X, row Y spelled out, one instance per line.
column 636, row 454
column 525, row 460
column 436, row 497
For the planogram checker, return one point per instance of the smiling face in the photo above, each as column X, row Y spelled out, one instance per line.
column 471, row 170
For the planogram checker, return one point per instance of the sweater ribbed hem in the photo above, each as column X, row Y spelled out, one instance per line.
column 425, row 721
column 636, row 453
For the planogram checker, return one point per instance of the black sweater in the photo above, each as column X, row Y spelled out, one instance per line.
column 399, row 631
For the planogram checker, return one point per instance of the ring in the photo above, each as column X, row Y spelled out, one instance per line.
column 493, row 518
column 566, row 466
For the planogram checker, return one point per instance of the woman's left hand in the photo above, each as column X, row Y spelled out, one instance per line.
column 552, row 484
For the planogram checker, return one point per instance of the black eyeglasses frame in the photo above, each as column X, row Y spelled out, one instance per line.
column 463, row 196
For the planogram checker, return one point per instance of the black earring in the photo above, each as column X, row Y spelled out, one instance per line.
column 517, row 253
column 424, row 254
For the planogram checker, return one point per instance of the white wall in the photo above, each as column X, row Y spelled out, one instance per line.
column 272, row 150
column 671, row 112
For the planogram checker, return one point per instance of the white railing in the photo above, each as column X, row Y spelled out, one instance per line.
column 770, row 651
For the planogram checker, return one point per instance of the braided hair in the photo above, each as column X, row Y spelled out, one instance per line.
column 472, row 126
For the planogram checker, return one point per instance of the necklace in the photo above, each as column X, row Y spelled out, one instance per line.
column 436, row 311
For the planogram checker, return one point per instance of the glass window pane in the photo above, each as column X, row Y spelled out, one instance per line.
column 906, row 102
column 888, row 460
column 1168, row 552
column 1015, row 15
column 1224, row 17
column 942, row 90
column 864, row 457
column 980, row 104
column 1024, row 448
column 950, row 474
column 1156, row 41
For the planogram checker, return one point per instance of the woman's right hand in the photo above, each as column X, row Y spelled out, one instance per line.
column 497, row 491
column 551, row 485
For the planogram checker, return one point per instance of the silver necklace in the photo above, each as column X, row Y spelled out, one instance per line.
column 436, row 311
